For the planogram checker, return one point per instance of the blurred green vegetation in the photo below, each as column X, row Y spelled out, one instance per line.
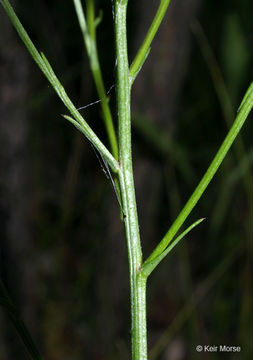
column 202, row 294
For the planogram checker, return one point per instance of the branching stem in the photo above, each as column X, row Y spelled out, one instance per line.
column 137, row 279
column 88, row 29
column 46, row 68
column 243, row 112
column 145, row 46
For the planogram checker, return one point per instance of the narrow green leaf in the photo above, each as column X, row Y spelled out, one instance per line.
column 138, row 69
column 46, row 68
column 23, row 35
column 247, row 97
column 243, row 112
column 88, row 26
column 83, row 25
column 150, row 265
column 145, row 46
column 77, row 125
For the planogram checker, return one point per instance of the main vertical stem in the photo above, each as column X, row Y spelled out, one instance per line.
column 137, row 280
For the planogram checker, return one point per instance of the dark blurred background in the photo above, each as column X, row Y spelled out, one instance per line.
column 62, row 252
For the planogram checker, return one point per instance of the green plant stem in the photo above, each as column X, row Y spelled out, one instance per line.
column 137, row 279
column 243, row 111
column 46, row 68
column 89, row 36
column 145, row 47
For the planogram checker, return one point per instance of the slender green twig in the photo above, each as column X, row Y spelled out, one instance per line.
column 88, row 29
column 46, row 68
column 18, row 323
column 243, row 111
column 144, row 50
column 225, row 103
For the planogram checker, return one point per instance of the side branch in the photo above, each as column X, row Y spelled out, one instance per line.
column 243, row 112
column 46, row 68
column 88, row 29
column 145, row 47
